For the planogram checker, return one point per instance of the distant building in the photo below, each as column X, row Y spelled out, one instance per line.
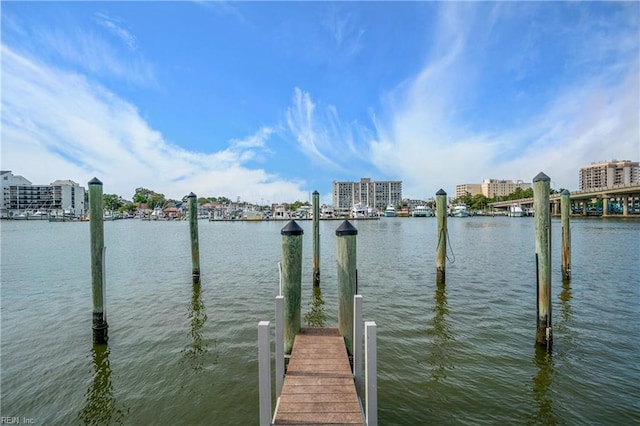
column 492, row 188
column 470, row 188
column 19, row 195
column 607, row 174
column 366, row 192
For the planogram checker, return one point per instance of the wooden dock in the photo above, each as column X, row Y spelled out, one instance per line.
column 319, row 387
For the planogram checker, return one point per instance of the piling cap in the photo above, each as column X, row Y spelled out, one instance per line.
column 291, row 228
column 95, row 181
column 346, row 228
column 441, row 192
column 315, row 193
column 541, row 177
column 191, row 195
column 566, row 192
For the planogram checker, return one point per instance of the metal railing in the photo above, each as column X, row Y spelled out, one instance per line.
column 369, row 381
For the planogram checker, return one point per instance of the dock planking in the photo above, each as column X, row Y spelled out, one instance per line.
column 318, row 387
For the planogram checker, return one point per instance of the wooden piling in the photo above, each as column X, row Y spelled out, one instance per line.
column 347, row 280
column 565, row 206
column 291, row 281
column 541, row 186
column 316, row 239
column 96, row 229
column 441, row 250
column 195, row 248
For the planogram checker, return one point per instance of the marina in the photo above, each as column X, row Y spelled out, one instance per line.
column 460, row 353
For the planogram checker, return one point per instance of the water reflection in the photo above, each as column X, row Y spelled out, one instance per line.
column 316, row 315
column 197, row 349
column 565, row 297
column 441, row 334
column 101, row 403
column 542, row 394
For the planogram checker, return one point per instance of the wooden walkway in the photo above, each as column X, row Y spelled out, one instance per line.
column 318, row 386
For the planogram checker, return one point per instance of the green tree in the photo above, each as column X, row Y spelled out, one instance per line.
column 151, row 198
column 142, row 195
column 112, row 202
column 156, row 200
column 128, row 207
column 479, row 202
column 297, row 204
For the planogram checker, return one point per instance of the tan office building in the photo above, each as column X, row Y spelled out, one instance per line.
column 471, row 188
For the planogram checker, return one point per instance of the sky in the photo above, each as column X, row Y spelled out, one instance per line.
column 269, row 101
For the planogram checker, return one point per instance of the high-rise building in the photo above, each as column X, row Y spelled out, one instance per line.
column 366, row 192
column 19, row 195
column 606, row 174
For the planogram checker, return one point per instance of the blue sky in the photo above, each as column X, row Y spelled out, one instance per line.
column 273, row 100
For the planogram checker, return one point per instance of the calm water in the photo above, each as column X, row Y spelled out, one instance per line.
column 459, row 354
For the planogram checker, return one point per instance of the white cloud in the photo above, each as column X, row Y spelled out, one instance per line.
column 60, row 125
column 113, row 25
column 425, row 141
column 343, row 29
column 310, row 132
column 90, row 51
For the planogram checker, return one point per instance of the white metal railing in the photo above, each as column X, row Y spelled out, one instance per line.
column 264, row 372
column 357, row 342
column 279, row 344
column 368, row 383
column 371, row 373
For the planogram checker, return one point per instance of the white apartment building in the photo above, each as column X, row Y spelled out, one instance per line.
column 366, row 192
column 19, row 195
column 606, row 174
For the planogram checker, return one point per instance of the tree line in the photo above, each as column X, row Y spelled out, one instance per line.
column 155, row 200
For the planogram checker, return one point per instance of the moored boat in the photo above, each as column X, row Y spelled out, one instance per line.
column 515, row 210
column 460, row 210
column 358, row 211
column 390, row 211
column 421, row 211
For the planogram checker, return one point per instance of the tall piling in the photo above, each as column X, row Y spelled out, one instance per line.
column 565, row 206
column 96, row 229
column 441, row 250
column 316, row 239
column 347, row 280
column 195, row 247
column 291, row 281
column 541, row 186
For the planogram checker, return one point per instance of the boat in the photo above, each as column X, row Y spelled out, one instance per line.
column 20, row 216
column 460, row 210
column 421, row 211
column 390, row 211
column 40, row 215
column 515, row 210
column 327, row 212
column 358, row 211
column 156, row 214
